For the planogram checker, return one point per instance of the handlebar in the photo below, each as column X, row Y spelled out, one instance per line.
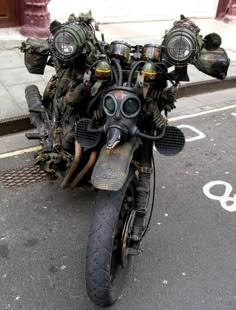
column 136, row 133
column 149, row 137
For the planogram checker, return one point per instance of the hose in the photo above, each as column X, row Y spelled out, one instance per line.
column 115, row 75
column 153, row 197
column 149, row 137
column 119, row 69
column 132, row 71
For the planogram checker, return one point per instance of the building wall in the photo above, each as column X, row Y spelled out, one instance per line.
column 122, row 10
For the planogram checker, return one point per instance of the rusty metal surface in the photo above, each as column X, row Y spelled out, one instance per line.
column 112, row 167
column 22, row 176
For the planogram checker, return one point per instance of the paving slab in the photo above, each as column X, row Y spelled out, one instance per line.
column 16, row 76
column 18, row 91
column 3, row 90
column 8, row 107
column 10, row 59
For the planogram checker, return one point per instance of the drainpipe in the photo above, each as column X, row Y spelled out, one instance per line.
column 36, row 18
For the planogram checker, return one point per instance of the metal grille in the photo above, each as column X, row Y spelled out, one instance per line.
column 84, row 138
column 172, row 143
column 22, row 176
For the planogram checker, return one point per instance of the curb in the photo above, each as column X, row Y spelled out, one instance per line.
column 15, row 124
column 208, row 86
column 22, row 123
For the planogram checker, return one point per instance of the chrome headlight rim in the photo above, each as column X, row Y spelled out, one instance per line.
column 183, row 35
column 63, row 36
column 76, row 34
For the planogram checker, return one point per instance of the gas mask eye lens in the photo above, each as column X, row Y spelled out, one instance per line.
column 109, row 106
column 131, row 107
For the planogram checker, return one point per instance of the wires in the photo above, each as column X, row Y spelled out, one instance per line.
column 153, row 197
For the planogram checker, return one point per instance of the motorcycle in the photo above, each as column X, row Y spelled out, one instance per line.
column 97, row 121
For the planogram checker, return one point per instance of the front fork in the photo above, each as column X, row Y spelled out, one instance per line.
column 142, row 190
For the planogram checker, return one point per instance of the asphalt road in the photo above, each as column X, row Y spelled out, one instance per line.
column 188, row 260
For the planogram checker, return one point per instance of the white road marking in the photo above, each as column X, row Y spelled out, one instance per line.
column 177, row 118
column 234, row 114
column 223, row 199
column 198, row 137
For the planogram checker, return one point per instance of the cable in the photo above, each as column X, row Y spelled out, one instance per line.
column 132, row 71
column 153, row 197
column 115, row 75
column 166, row 75
column 119, row 69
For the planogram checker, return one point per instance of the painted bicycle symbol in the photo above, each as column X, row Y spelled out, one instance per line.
column 227, row 201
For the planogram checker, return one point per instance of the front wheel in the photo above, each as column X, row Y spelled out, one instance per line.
column 108, row 256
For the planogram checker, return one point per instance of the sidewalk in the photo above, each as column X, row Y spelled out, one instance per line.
column 14, row 77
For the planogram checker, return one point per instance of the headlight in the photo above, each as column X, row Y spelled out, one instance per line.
column 65, row 44
column 69, row 41
column 179, row 48
column 182, row 43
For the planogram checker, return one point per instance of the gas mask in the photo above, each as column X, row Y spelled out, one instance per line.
column 122, row 107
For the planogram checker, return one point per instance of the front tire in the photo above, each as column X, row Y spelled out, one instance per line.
column 105, row 269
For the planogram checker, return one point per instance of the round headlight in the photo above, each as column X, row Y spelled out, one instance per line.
column 131, row 107
column 180, row 46
column 65, row 44
column 69, row 41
